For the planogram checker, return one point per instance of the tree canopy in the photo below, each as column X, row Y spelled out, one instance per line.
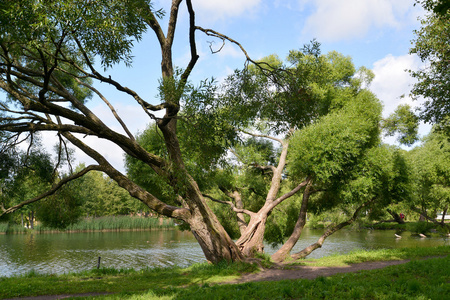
column 432, row 45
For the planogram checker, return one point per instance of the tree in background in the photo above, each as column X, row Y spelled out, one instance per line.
column 30, row 174
column 431, row 167
column 432, row 45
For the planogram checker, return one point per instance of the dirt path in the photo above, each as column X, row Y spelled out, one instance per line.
column 309, row 272
column 277, row 273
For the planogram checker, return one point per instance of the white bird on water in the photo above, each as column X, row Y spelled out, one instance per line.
column 397, row 236
column 422, row 235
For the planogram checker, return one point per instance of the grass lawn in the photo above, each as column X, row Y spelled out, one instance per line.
column 418, row 279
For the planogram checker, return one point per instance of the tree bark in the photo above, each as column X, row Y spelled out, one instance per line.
column 285, row 250
column 252, row 240
column 444, row 213
column 240, row 218
column 31, row 217
column 396, row 217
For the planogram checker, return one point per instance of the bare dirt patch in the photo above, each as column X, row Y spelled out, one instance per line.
column 280, row 272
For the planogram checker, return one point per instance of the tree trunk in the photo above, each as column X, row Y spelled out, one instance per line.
column 396, row 217
column 31, row 217
column 305, row 252
column 213, row 239
column 285, row 250
column 443, row 215
column 240, row 216
column 252, row 241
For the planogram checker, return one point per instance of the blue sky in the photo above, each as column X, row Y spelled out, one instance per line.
column 375, row 33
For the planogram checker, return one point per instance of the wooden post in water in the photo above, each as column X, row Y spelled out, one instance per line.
column 98, row 263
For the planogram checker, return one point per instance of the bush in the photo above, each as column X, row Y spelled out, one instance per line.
column 420, row 227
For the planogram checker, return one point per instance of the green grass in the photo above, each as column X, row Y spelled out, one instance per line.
column 98, row 224
column 360, row 256
column 418, row 279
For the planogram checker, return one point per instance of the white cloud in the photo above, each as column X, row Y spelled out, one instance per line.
column 220, row 9
column 333, row 20
column 392, row 81
column 392, row 85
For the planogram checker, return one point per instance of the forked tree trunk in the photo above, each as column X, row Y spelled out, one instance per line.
column 252, row 241
column 213, row 239
column 285, row 250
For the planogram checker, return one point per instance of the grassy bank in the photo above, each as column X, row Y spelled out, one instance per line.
column 418, row 279
column 97, row 224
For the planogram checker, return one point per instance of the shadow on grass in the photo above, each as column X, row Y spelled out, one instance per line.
column 420, row 279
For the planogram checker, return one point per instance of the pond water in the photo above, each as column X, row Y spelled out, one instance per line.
column 72, row 252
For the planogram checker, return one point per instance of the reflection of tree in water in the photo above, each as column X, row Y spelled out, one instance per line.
column 30, row 242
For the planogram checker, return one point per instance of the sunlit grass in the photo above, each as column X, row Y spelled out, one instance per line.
column 359, row 256
column 418, row 279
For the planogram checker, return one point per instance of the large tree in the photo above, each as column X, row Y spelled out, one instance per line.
column 47, row 69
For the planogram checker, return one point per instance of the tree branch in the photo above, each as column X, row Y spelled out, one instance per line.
column 231, row 204
column 424, row 213
column 114, row 112
column 51, row 191
column 123, row 181
column 305, row 252
column 192, row 44
column 292, row 192
column 263, row 136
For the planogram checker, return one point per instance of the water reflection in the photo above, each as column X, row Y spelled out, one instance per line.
column 67, row 252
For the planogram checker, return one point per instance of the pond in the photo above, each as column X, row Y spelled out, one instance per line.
column 72, row 252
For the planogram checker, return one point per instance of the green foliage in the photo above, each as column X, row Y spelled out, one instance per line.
column 61, row 209
column 431, row 163
column 331, row 146
column 420, row 227
column 105, row 223
column 29, row 175
column 11, row 228
column 120, row 223
column 105, row 28
column 282, row 220
column 288, row 96
column 432, row 46
column 404, row 122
